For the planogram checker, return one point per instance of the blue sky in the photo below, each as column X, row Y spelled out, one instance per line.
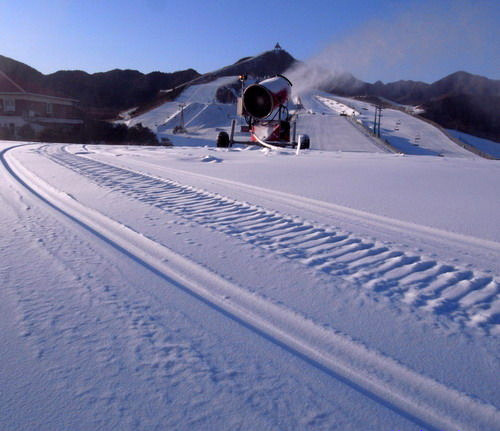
column 376, row 40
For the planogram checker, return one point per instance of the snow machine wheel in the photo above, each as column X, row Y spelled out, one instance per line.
column 223, row 140
column 304, row 142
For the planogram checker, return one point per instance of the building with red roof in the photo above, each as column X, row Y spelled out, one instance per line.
column 40, row 110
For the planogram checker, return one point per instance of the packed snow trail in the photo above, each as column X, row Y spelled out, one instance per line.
column 333, row 123
column 125, row 348
column 407, row 133
column 375, row 377
column 335, row 133
column 467, row 296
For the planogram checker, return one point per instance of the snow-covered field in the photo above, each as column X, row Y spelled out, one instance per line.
column 333, row 123
column 407, row 133
column 196, row 288
column 489, row 147
column 349, row 287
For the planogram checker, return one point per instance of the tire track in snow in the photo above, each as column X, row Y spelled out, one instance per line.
column 131, row 359
column 414, row 279
column 411, row 395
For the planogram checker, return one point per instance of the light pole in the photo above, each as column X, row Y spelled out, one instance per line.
column 376, row 121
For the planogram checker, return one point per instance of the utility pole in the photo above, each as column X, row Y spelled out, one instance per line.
column 242, row 79
column 376, row 121
column 182, row 105
column 180, row 128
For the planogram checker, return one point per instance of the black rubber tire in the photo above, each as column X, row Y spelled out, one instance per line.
column 223, row 140
column 305, row 142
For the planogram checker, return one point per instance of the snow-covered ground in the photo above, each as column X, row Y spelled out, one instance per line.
column 202, row 115
column 407, row 133
column 487, row 146
column 333, row 123
column 196, row 288
column 190, row 287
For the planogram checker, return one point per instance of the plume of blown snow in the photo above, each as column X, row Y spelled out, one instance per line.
column 318, row 75
column 417, row 42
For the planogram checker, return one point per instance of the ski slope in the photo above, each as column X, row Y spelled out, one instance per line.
column 329, row 126
column 333, row 124
column 199, row 288
column 331, row 132
column 201, row 113
column 487, row 146
column 407, row 133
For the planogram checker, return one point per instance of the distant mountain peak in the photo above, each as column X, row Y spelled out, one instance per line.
column 267, row 63
column 460, row 100
column 466, row 83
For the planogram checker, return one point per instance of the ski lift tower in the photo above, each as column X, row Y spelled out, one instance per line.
column 376, row 121
column 180, row 127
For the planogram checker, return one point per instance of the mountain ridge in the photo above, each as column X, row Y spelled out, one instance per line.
column 101, row 94
column 460, row 100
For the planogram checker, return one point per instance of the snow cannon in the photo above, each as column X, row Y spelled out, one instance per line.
column 264, row 108
column 261, row 100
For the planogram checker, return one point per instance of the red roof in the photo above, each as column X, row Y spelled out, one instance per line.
column 7, row 85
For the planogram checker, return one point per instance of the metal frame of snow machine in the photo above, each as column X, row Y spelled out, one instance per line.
column 264, row 107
